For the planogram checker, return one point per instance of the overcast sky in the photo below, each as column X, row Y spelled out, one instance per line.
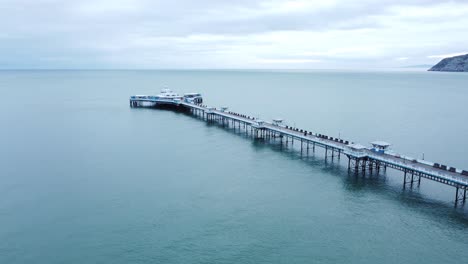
column 307, row 34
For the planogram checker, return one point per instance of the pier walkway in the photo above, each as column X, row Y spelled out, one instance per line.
column 361, row 159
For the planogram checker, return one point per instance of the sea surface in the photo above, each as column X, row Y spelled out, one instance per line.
column 84, row 178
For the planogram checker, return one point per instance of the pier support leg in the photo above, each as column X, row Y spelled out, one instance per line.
column 409, row 179
column 412, row 176
column 404, row 180
column 460, row 196
column 364, row 167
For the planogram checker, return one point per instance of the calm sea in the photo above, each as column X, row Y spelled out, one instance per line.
column 86, row 179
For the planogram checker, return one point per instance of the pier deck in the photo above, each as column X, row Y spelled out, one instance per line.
column 359, row 160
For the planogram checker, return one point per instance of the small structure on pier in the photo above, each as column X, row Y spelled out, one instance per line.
column 259, row 124
column 210, row 110
column 277, row 121
column 380, row 146
column 357, row 147
column 224, row 108
column 357, row 150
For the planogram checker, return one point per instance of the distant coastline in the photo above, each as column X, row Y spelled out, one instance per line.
column 421, row 66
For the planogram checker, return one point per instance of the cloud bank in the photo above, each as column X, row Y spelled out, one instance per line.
column 144, row 34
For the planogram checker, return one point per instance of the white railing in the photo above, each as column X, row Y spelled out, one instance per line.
column 459, row 179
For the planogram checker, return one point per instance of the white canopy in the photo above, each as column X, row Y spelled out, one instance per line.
column 380, row 143
column 357, row 147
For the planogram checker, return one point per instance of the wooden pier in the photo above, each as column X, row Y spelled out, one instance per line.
column 361, row 160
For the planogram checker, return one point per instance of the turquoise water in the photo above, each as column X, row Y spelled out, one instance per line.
column 86, row 179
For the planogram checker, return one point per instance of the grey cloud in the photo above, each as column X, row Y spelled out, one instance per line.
column 183, row 17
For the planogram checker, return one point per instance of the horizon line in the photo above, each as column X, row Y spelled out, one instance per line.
column 215, row 69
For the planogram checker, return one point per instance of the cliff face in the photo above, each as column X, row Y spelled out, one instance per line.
column 453, row 64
